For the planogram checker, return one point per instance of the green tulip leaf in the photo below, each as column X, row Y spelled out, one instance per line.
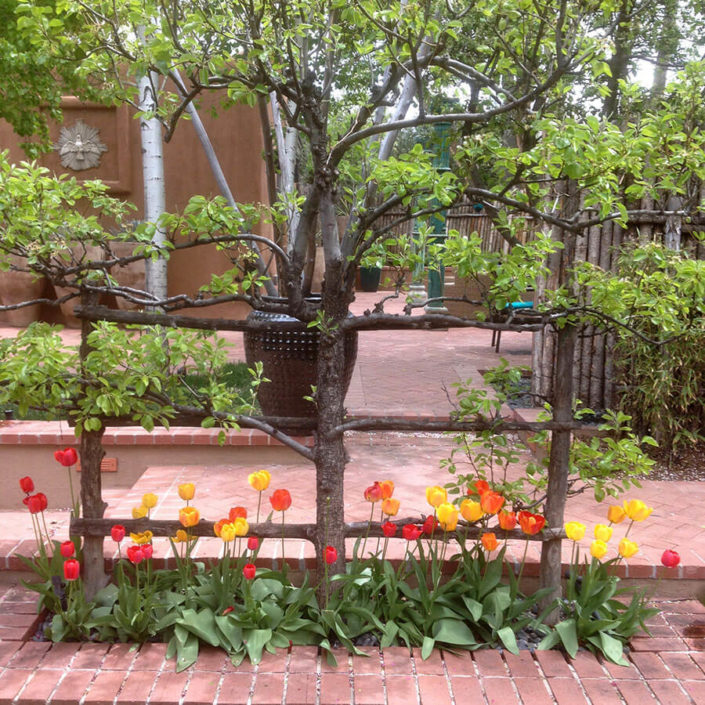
column 568, row 634
column 506, row 634
column 453, row 631
column 427, row 647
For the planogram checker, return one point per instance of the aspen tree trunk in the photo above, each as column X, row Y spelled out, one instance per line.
column 153, row 177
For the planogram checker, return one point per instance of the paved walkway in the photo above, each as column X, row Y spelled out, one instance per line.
column 396, row 372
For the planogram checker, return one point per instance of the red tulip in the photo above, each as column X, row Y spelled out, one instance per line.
column 26, row 485
column 331, row 555
column 67, row 549
column 411, row 532
column 373, row 493
column 37, row 503
column 280, row 500
column 253, row 543
column 72, row 569
column 237, row 513
column 670, row 558
column 117, row 533
column 430, row 525
column 531, row 523
column 249, row 571
column 67, row 457
column 389, row 529
column 147, row 550
column 227, row 610
column 135, row 554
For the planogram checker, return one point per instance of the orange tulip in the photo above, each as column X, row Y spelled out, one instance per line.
column 218, row 526
column 491, row 502
column 280, row 500
column 616, row 514
column 189, row 516
column 489, row 541
column 387, row 488
column 479, row 488
column 390, row 506
column 236, row 512
column 507, row 520
column 531, row 523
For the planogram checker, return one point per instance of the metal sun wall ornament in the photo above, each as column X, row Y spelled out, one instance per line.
column 79, row 146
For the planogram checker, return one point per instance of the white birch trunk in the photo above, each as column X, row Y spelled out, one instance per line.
column 153, row 177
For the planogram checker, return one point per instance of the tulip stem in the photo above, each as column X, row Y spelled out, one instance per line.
column 74, row 506
column 259, row 504
column 367, row 533
column 283, row 557
column 523, row 563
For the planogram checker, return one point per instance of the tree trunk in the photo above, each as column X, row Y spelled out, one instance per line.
column 153, row 178
column 558, row 467
column 93, row 507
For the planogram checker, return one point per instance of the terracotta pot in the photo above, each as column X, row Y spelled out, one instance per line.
column 16, row 287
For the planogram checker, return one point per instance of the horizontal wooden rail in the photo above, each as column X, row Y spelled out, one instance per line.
column 169, row 527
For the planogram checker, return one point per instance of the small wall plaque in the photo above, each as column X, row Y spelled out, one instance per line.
column 79, row 146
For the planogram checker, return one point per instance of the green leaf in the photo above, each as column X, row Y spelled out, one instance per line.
column 453, row 631
column 231, row 632
column 568, row 634
column 202, row 624
column 255, row 641
column 427, row 647
column 506, row 634
column 613, row 649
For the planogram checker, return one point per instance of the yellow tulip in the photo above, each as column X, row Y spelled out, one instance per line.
column 150, row 500
column 390, row 506
column 259, row 480
column 598, row 548
column 574, row 530
column 636, row 510
column 471, row 510
column 142, row 538
column 447, row 516
column 187, row 491
column 436, row 495
column 181, row 536
column 189, row 516
column 139, row 512
column 603, row 532
column 227, row 532
column 627, row 548
column 241, row 526
column 616, row 514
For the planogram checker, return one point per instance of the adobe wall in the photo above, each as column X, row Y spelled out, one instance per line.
column 236, row 137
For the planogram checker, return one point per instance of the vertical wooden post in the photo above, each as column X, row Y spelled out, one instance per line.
column 558, row 467
column 92, row 453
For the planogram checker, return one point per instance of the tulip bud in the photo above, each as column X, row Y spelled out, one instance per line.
column 67, row 457
column 149, row 500
column 253, row 543
column 489, row 542
column 389, row 529
column 387, row 488
column 627, row 548
column 117, row 533
column 72, row 570
column 187, row 491
column 603, row 532
column 373, row 493
column 26, row 485
column 67, row 549
column 331, row 555
column 147, row 551
column 429, row 525
column 471, row 510
column 411, row 532
column 436, row 495
column 280, row 500
column 574, row 530
column 390, row 506
column 598, row 548
column 249, row 571
column 670, row 558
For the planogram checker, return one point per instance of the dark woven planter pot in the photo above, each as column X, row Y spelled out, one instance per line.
column 289, row 360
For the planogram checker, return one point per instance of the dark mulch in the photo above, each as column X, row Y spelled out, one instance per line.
column 686, row 463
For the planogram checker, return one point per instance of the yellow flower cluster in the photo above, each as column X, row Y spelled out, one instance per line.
column 634, row 510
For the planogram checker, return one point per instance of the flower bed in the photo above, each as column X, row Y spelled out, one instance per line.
column 429, row 599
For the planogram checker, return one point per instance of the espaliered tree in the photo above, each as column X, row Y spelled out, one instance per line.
column 342, row 76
